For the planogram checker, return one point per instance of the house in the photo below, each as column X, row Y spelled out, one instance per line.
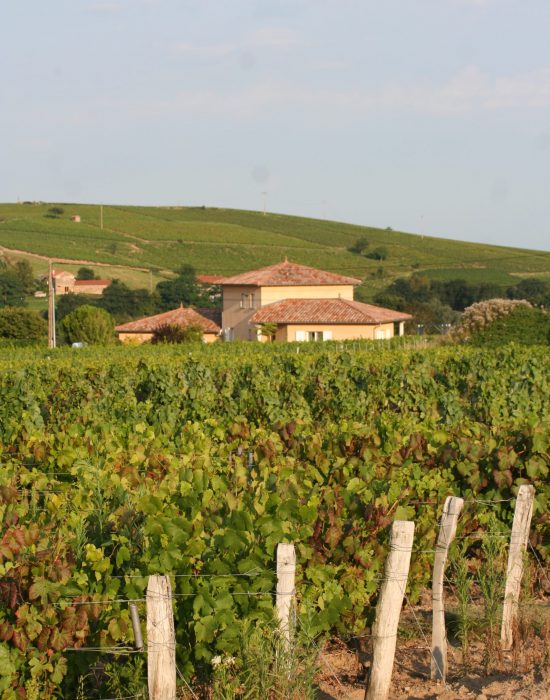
column 76, row 218
column 303, row 303
column 142, row 330
column 66, row 283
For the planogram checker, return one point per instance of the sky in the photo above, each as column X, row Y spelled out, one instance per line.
column 429, row 116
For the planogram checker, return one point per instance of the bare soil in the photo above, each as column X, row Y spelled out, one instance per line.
column 521, row 674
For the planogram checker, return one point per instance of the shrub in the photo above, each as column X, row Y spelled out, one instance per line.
column 524, row 325
column 87, row 324
column 22, row 324
column 360, row 245
column 380, row 253
column 479, row 316
column 172, row 333
column 54, row 212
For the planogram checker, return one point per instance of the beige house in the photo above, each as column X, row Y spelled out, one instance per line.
column 66, row 283
column 141, row 331
column 304, row 304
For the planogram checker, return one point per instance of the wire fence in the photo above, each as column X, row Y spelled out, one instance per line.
column 250, row 574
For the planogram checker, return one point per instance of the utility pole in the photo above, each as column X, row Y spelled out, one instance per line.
column 51, row 308
column 101, row 216
column 264, row 197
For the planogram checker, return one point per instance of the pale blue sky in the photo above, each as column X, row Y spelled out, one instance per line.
column 430, row 116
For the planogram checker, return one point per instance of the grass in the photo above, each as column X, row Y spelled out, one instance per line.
column 229, row 241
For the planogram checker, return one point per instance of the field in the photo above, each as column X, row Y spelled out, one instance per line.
column 224, row 241
column 125, row 462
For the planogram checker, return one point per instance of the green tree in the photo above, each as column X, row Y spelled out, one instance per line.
column 125, row 303
column 88, row 324
column 22, row 324
column 184, row 289
column 380, row 253
column 86, row 273
column 23, row 269
column 268, row 330
column 173, row 333
column 67, row 303
column 360, row 245
column 12, row 289
column 533, row 290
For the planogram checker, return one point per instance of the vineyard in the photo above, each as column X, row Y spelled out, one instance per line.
column 119, row 463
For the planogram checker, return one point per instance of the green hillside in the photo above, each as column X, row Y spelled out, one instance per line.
column 226, row 241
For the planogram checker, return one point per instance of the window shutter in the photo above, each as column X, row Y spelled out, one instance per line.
column 327, row 335
column 300, row 336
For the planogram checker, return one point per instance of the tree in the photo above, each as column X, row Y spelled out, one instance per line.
column 67, row 303
column 456, row 293
column 173, row 333
column 86, row 273
column 435, row 316
column 12, row 289
column 534, row 290
column 87, row 324
column 268, row 330
column 360, row 245
column 125, row 303
column 184, row 289
column 23, row 269
column 380, row 253
column 22, row 324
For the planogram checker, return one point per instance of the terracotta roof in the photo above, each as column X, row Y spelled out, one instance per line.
column 287, row 273
column 210, row 279
column 178, row 317
column 85, row 283
column 325, row 311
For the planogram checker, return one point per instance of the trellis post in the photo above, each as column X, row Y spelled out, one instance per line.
column 447, row 531
column 518, row 544
column 161, row 640
column 388, row 609
column 286, row 573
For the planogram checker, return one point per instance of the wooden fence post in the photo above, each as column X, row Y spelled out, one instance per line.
column 388, row 610
column 447, row 532
column 518, row 545
column 286, row 572
column 161, row 640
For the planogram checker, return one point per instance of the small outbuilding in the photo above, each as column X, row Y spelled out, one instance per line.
column 142, row 330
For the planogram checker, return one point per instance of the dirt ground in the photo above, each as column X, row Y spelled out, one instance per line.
column 516, row 676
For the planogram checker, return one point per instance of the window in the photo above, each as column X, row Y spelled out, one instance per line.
column 313, row 335
column 248, row 301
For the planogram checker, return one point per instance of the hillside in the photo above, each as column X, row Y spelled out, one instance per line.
column 142, row 244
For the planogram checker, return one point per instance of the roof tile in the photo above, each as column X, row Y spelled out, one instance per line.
column 326, row 311
column 285, row 274
column 179, row 317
